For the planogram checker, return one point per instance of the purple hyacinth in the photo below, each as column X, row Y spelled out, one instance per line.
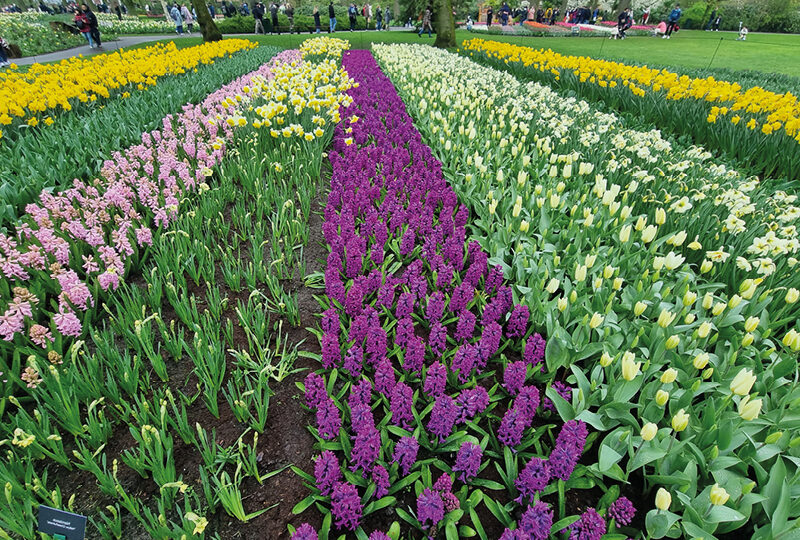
column 591, row 526
column 327, row 472
column 328, row 420
column 622, row 511
column 443, row 417
column 435, row 308
column 361, row 417
column 354, row 301
column 404, row 331
column 518, row 321
column 563, row 390
column 438, row 338
column 468, row 461
column 366, row 448
column 464, row 362
column 532, row 479
column 405, row 453
column 514, row 376
column 435, row 380
column 512, row 427
column 490, row 342
column 407, row 242
column 386, row 292
column 494, row 279
column 315, row 390
column 450, row 501
column 376, row 344
column 461, row 297
column 443, row 484
column 466, row 326
column 360, row 392
column 405, row 305
column 537, row 520
column 562, row 462
column 380, row 476
column 402, row 405
column 444, row 276
column 534, row 350
column 517, row 534
column 346, row 506
column 331, row 354
column 379, row 535
column 384, row 377
column 492, row 311
column 471, row 402
column 430, row 508
column 305, row 532
column 414, row 355
column 353, row 360
column 527, row 401
column 330, row 321
column 573, row 435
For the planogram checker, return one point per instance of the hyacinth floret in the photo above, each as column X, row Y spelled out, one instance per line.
column 380, row 476
column 514, row 376
column 471, row 402
column 346, row 506
column 402, row 403
column 430, row 508
column 315, row 390
column 537, row 520
column 405, row 453
column 328, row 420
column 518, row 321
column 591, row 526
column 443, row 417
column 532, row 479
column 327, row 472
column 435, row 380
column 622, row 511
column 468, row 461
column 305, row 532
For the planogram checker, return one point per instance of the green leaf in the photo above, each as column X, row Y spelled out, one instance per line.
column 556, row 354
column 476, row 521
column 488, row 484
column 720, row 514
column 563, row 524
column 564, row 408
column 379, row 504
column 451, row 532
column 300, row 507
column 645, row 455
column 608, row 457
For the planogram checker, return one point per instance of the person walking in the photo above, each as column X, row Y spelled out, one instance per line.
column 258, row 16
column 290, row 16
column 82, row 24
column 717, row 21
column 188, row 18
column 367, row 15
column 505, row 12
column 175, row 13
column 624, row 21
column 317, row 23
column 3, row 55
column 426, row 21
column 93, row 27
column 387, row 17
column 489, row 16
column 711, row 20
column 352, row 13
column 273, row 11
column 378, row 18
column 672, row 20
column 331, row 18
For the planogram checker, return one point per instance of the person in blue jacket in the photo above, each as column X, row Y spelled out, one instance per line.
column 672, row 20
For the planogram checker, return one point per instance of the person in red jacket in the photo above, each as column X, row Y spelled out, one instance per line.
column 82, row 24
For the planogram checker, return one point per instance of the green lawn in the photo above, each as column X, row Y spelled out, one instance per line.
column 766, row 53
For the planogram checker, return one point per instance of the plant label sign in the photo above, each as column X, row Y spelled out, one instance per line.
column 61, row 524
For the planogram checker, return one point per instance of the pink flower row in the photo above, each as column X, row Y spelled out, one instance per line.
column 85, row 237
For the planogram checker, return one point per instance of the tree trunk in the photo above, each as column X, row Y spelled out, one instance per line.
column 207, row 26
column 622, row 6
column 445, row 25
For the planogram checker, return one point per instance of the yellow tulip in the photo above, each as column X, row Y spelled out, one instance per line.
column 669, row 376
column 743, row 382
column 718, row 495
column 662, row 396
column 706, row 266
column 792, row 295
column 606, row 359
column 663, row 499
column 665, row 318
column 639, row 308
column 689, row 298
column 552, row 285
column 630, row 368
column 792, row 340
column 701, row 360
column 680, row 421
column 649, row 431
column 749, row 409
column 625, row 234
column 747, row 340
column 580, row 273
column 661, row 216
column 562, row 304
column 649, row 233
column 734, row 301
column 751, row 323
column 672, row 342
column 708, row 301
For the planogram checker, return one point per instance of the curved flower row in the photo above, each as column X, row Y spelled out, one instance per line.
column 668, row 363
column 754, row 123
column 429, row 368
column 35, row 96
column 75, row 244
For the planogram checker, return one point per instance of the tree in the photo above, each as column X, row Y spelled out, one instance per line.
column 445, row 25
column 207, row 26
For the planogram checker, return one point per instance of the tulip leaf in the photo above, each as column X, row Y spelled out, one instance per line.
column 555, row 353
column 645, row 455
column 720, row 514
column 608, row 457
column 658, row 523
column 564, row 408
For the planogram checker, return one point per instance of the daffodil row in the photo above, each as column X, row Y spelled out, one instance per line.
column 39, row 95
column 605, row 232
column 752, row 123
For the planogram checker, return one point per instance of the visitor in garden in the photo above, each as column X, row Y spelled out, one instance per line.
column 505, row 12
column 426, row 21
column 743, row 34
column 93, row 28
column 378, row 18
column 118, row 11
column 368, row 14
column 212, row 10
column 469, row 22
column 188, row 18
column 711, row 20
column 290, row 15
column 82, row 24
column 175, row 13
column 489, row 16
column 273, row 11
column 624, row 22
column 717, row 21
column 244, row 10
column 258, row 15
column 672, row 21
column 3, row 55
column 352, row 13
column 331, row 18
column 317, row 23
column 387, row 17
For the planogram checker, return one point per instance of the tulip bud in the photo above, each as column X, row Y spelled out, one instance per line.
column 718, row 308
column 649, row 233
column 658, row 263
column 608, row 271
column 743, row 382
column 701, row 360
column 749, row 409
column 706, row 266
column 580, row 273
column 663, row 499
column 573, row 296
column 751, row 323
column 596, row 320
column 552, row 285
column 640, row 223
column 708, row 301
column 792, row 295
column 792, row 340
column 708, row 373
column 606, row 359
column 639, row 308
column 665, row 318
column 772, row 438
column 630, row 368
column 669, row 376
column 672, row 342
column 625, row 234
column 690, row 318
column 688, row 298
column 748, row 292
column 649, row 431
column 590, row 260
column 662, row 396
column 562, row 304
column 661, row 216
column 734, row 301
column 718, row 495
column 747, row 488
column 747, row 340
column 680, row 421
column 617, row 284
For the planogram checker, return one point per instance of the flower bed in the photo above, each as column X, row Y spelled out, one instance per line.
column 684, row 379
column 431, row 386
column 760, row 127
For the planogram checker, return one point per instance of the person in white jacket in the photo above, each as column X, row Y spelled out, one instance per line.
column 187, row 17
